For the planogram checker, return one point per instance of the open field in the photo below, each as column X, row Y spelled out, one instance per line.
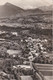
column 46, row 70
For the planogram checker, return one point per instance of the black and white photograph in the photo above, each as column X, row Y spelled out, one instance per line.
column 26, row 49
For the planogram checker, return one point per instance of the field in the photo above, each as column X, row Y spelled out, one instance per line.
column 46, row 70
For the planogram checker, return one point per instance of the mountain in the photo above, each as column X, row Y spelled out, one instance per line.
column 47, row 8
column 9, row 9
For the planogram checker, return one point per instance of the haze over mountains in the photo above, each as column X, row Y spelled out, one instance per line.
column 47, row 8
column 9, row 9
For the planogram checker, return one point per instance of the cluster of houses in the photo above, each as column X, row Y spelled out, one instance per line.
column 37, row 51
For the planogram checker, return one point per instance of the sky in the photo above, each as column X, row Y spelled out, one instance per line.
column 26, row 4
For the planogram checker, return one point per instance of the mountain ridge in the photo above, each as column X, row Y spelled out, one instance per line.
column 9, row 9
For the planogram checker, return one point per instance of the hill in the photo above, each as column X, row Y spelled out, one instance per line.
column 36, row 10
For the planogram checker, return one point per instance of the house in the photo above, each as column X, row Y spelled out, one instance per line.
column 26, row 78
column 13, row 52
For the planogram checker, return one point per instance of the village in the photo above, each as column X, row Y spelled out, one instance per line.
column 17, row 56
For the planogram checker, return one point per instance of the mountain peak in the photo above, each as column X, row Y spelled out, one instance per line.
column 9, row 9
column 7, row 3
